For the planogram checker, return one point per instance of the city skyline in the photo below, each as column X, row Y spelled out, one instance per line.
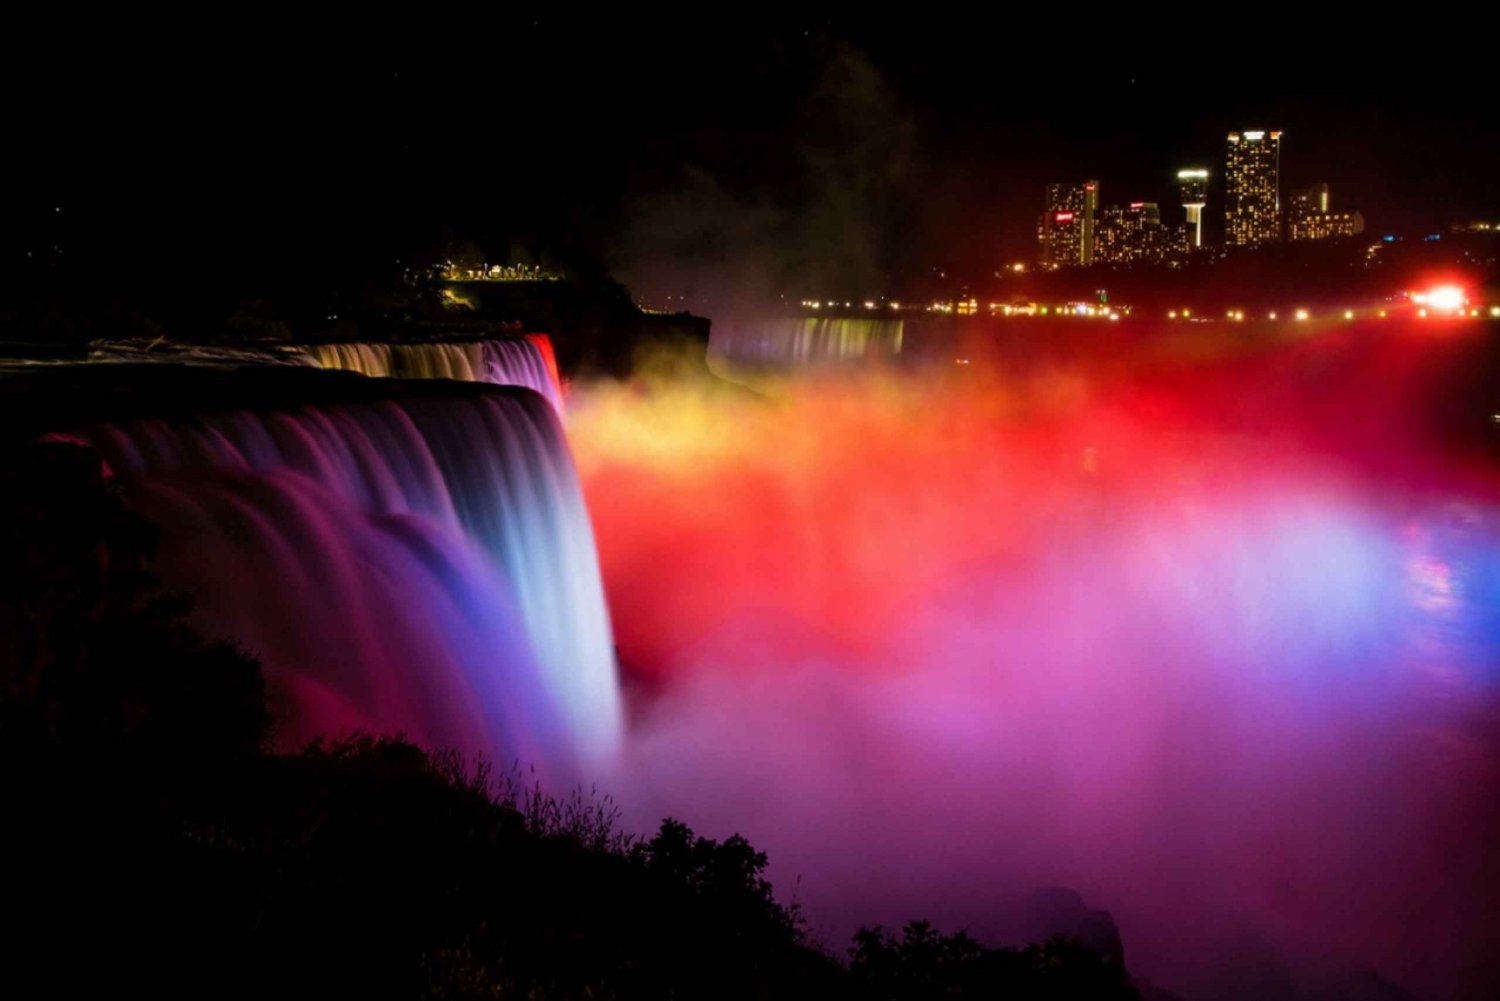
column 1250, row 205
column 846, row 151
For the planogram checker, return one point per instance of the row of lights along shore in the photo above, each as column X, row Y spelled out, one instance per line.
column 1443, row 301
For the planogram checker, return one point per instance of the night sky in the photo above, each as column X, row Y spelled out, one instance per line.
column 851, row 151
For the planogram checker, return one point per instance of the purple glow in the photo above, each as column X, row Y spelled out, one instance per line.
column 424, row 566
column 935, row 642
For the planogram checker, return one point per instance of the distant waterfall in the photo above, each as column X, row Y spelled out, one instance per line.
column 513, row 361
column 805, row 341
column 424, row 565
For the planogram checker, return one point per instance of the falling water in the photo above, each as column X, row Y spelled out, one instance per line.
column 513, row 361
column 805, row 341
column 421, row 564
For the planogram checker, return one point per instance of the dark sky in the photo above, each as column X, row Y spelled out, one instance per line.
column 841, row 150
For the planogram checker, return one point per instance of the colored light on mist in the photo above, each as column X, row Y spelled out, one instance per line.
column 1302, row 314
column 1202, row 633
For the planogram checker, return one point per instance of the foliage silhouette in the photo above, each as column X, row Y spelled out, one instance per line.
column 155, row 844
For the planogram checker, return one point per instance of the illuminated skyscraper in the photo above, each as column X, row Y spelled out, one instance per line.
column 1067, row 226
column 1252, row 180
column 1308, row 216
column 1131, row 235
column 1193, row 183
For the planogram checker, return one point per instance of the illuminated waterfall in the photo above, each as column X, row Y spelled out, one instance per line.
column 806, row 341
column 512, row 361
column 424, row 565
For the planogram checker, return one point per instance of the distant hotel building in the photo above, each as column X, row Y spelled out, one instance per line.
column 1134, row 234
column 1308, row 216
column 1252, row 209
column 1066, row 231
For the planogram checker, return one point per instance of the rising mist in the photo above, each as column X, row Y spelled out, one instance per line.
column 935, row 640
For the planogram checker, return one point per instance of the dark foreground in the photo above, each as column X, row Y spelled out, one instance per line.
column 154, row 845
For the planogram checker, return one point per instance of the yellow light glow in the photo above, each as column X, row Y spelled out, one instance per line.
column 869, row 304
column 1187, row 312
column 1382, row 314
column 1302, row 314
column 1273, row 314
column 1171, row 314
column 1495, row 311
column 1422, row 313
column 1348, row 314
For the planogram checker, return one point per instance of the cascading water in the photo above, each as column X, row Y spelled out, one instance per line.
column 418, row 564
column 805, row 341
column 513, row 361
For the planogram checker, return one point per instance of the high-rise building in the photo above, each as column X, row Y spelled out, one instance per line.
column 1252, row 179
column 1302, row 208
column 1066, row 232
column 1132, row 234
column 1308, row 216
column 1193, row 185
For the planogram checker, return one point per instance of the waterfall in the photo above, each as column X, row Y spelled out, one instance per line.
column 513, row 361
column 806, row 341
column 417, row 564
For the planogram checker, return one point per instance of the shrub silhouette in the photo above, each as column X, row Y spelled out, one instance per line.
column 154, row 844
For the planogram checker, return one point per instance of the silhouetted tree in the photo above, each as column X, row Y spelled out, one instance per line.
column 154, row 845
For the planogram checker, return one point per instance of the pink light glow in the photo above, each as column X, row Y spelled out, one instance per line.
column 1152, row 628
